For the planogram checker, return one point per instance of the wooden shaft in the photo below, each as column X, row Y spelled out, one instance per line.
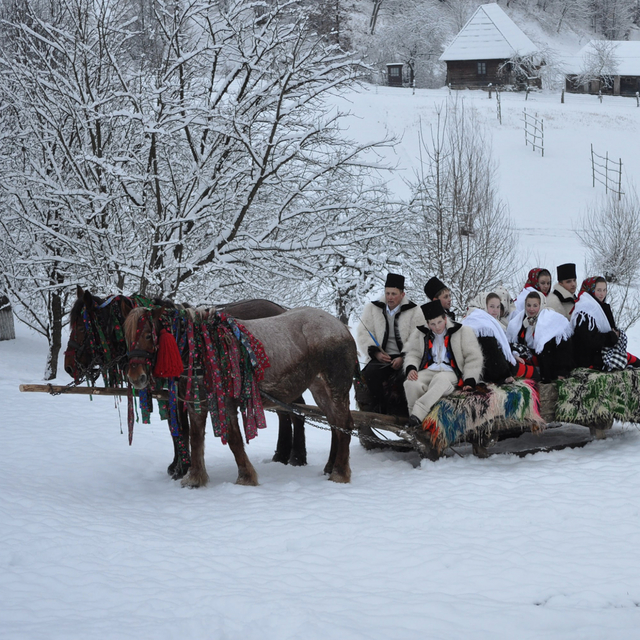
column 84, row 391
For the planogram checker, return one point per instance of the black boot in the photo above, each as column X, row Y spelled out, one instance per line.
column 414, row 421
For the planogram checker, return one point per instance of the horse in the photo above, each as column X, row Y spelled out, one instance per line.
column 307, row 349
column 97, row 347
column 96, row 344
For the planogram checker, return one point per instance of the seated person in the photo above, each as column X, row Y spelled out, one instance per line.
column 435, row 289
column 541, row 338
column 499, row 362
column 597, row 342
column 562, row 297
column 385, row 327
column 538, row 279
column 503, row 304
column 440, row 356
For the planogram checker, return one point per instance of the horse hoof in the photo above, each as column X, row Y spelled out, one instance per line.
column 328, row 469
column 179, row 472
column 193, row 482
column 298, row 460
column 280, row 457
column 171, row 469
column 248, row 481
column 343, row 478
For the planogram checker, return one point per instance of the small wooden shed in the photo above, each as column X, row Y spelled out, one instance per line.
column 610, row 67
column 479, row 55
column 394, row 74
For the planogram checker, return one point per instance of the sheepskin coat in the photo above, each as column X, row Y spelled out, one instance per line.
column 464, row 346
column 560, row 300
column 374, row 320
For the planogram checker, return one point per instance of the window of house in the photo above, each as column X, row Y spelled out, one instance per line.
column 394, row 71
column 482, row 68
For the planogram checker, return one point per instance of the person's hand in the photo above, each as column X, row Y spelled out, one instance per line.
column 396, row 363
column 381, row 356
column 467, row 388
column 519, row 360
column 412, row 375
column 509, row 380
column 617, row 332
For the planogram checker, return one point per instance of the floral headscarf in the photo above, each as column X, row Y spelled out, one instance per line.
column 588, row 286
column 533, row 277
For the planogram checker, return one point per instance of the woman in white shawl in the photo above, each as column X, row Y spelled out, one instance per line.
column 541, row 337
column 598, row 343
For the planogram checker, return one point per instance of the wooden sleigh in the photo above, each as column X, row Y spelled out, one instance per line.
column 557, row 418
column 545, row 417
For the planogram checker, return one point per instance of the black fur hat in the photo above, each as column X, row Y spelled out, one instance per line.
column 566, row 271
column 433, row 310
column 394, row 280
column 433, row 287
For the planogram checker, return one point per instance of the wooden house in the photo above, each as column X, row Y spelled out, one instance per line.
column 609, row 67
column 481, row 53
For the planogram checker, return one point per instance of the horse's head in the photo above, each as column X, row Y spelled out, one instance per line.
column 90, row 334
column 141, row 330
column 79, row 354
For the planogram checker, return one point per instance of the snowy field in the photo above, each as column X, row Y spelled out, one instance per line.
column 96, row 542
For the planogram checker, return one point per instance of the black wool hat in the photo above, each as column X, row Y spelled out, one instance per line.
column 433, row 287
column 394, row 280
column 566, row 271
column 433, row 310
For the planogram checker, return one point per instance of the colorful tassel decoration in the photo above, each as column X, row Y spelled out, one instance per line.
column 169, row 363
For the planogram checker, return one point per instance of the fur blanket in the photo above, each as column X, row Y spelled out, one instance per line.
column 590, row 397
column 500, row 407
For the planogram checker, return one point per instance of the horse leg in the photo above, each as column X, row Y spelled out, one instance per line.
column 197, row 475
column 299, row 450
column 246, row 473
column 181, row 457
column 298, row 456
column 336, row 407
column 283, row 447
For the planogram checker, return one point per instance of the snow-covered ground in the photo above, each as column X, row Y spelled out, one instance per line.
column 96, row 542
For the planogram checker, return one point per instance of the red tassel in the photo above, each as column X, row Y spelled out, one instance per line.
column 169, row 363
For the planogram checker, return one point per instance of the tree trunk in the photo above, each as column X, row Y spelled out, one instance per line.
column 7, row 327
column 54, row 335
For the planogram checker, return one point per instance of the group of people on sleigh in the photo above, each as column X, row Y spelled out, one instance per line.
column 541, row 335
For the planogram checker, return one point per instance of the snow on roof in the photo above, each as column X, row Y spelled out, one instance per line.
column 490, row 34
column 626, row 54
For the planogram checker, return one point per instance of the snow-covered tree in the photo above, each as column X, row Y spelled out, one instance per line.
column 600, row 64
column 458, row 229
column 201, row 168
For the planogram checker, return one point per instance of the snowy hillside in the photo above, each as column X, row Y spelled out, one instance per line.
column 98, row 543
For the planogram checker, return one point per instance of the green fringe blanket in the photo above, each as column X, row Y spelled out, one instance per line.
column 590, row 397
column 499, row 407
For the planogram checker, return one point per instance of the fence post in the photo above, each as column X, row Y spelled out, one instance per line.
column 600, row 96
column 606, row 173
column 593, row 168
column 620, row 181
column 562, row 97
column 498, row 106
column 637, row 98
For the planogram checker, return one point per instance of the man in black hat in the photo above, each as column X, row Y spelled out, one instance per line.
column 435, row 289
column 562, row 298
column 384, row 328
column 441, row 356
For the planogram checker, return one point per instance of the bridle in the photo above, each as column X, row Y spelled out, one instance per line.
column 136, row 355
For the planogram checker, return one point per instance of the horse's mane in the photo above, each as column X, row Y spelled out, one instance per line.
column 78, row 306
column 131, row 324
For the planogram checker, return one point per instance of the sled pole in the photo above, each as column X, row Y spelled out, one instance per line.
column 54, row 389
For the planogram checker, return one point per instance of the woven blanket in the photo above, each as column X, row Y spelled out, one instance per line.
column 589, row 396
column 500, row 407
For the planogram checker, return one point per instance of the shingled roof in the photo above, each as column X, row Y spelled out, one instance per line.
column 490, row 34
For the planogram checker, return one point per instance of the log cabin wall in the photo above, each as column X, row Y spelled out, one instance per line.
column 469, row 73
